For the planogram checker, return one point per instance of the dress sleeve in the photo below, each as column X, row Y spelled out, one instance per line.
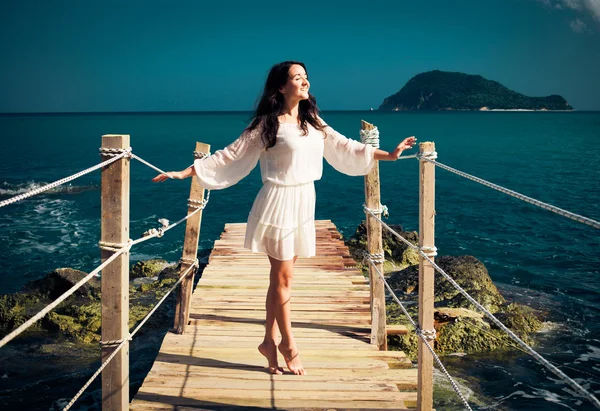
column 346, row 155
column 228, row 166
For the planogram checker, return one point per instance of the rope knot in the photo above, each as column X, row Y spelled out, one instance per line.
column 370, row 137
column 375, row 258
column 201, row 204
column 382, row 210
column 428, row 335
column 113, row 152
column 429, row 251
column 201, row 155
column 190, row 261
column 114, row 247
column 114, row 343
column 427, row 155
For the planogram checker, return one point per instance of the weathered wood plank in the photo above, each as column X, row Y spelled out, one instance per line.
column 215, row 364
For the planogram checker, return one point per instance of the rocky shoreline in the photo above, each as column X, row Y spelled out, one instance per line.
column 55, row 356
column 460, row 329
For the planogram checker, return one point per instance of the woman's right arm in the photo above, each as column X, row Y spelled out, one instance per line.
column 225, row 167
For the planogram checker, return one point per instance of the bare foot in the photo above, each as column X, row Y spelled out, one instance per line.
column 269, row 350
column 292, row 359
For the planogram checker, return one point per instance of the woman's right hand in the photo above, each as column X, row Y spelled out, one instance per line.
column 165, row 176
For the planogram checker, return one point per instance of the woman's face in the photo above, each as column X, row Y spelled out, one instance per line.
column 297, row 86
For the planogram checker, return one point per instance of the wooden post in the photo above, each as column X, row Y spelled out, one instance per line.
column 426, row 276
column 375, row 246
column 190, row 252
column 115, row 277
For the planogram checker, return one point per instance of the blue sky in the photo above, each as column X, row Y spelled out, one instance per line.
column 149, row 55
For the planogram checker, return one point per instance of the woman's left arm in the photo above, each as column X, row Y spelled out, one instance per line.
column 406, row 144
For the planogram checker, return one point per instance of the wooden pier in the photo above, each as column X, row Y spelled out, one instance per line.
column 215, row 364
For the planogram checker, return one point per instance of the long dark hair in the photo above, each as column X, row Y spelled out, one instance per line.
column 270, row 105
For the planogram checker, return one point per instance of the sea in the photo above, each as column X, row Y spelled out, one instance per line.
column 534, row 256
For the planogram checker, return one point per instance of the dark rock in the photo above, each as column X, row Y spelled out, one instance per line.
column 60, row 280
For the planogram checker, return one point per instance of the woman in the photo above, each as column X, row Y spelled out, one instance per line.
column 290, row 139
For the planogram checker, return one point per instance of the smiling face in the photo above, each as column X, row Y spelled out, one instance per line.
column 296, row 88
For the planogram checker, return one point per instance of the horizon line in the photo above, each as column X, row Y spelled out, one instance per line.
column 250, row 111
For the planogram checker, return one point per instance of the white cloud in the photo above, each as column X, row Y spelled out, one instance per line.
column 583, row 7
column 594, row 7
column 578, row 26
column 573, row 4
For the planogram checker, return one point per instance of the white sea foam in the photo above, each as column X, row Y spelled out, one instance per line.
column 13, row 189
column 593, row 354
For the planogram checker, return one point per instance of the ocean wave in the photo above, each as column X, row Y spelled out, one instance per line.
column 9, row 189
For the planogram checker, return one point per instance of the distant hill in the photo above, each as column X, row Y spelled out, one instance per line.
column 441, row 90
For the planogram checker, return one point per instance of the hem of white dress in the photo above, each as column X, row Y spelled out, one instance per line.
column 256, row 250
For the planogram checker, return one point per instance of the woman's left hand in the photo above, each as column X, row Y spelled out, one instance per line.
column 406, row 144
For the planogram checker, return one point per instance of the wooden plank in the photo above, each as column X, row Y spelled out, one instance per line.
column 215, row 363
column 227, row 395
column 317, row 374
column 148, row 401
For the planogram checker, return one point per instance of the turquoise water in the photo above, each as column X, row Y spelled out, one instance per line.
column 534, row 256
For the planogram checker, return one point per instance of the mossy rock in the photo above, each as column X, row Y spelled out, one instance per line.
column 169, row 272
column 519, row 318
column 460, row 330
column 397, row 254
column 69, row 326
column 467, row 271
column 407, row 343
column 17, row 308
column 147, row 268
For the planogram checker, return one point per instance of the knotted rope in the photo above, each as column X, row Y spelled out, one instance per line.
column 370, row 137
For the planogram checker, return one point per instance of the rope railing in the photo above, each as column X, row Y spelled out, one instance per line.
column 573, row 384
column 118, row 249
column 527, row 199
column 141, row 160
column 419, row 333
column 39, row 190
column 115, row 154
column 122, row 343
column 60, row 299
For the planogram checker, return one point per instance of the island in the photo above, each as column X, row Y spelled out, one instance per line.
column 442, row 91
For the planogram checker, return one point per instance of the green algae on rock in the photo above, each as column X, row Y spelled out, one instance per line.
column 147, row 268
column 459, row 327
column 79, row 317
column 397, row 254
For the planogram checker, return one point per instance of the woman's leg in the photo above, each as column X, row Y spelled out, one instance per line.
column 279, row 298
column 268, row 347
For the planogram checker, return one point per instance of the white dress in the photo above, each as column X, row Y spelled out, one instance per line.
column 282, row 220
